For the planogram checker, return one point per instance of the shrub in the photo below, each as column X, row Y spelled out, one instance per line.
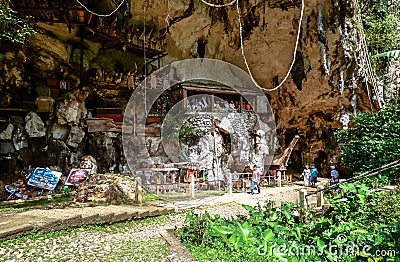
column 373, row 140
column 360, row 225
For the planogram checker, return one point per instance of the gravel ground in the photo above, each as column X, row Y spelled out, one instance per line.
column 132, row 240
column 126, row 241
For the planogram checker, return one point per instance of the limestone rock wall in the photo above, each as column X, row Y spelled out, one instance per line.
column 326, row 84
column 324, row 89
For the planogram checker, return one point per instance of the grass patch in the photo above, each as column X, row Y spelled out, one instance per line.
column 45, row 202
column 171, row 197
column 150, row 197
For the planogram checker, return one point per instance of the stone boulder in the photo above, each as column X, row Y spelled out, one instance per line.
column 34, row 125
column 7, row 133
column 106, row 188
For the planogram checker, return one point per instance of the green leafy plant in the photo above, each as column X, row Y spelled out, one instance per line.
column 176, row 129
column 270, row 233
column 380, row 20
column 12, row 27
column 372, row 141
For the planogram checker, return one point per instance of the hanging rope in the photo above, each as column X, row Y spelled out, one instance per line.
column 366, row 62
column 294, row 53
column 223, row 5
column 115, row 10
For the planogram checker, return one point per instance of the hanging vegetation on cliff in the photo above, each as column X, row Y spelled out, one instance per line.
column 381, row 20
column 12, row 27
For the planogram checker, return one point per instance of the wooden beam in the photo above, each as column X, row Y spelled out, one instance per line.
column 24, row 9
column 67, row 19
column 81, row 60
column 90, row 19
column 216, row 90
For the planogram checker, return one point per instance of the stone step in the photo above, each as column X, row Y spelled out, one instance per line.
column 90, row 218
column 14, row 231
column 106, row 215
column 58, row 219
column 119, row 216
column 166, row 210
column 142, row 214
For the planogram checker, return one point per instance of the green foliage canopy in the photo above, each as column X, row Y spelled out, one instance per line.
column 373, row 141
column 381, row 21
column 13, row 28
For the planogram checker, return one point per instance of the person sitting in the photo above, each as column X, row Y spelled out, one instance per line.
column 237, row 106
column 232, row 106
column 204, row 104
column 225, row 107
column 194, row 105
column 244, row 106
column 217, row 107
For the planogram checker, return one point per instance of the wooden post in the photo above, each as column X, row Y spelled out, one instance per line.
column 81, row 60
column 320, row 196
column 179, row 181
column 279, row 181
column 134, row 122
column 185, row 98
column 230, row 183
column 302, row 198
column 164, row 182
column 191, row 186
column 172, row 181
column 138, row 191
column 212, row 110
column 158, row 179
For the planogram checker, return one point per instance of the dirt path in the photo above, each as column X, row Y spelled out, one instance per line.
column 286, row 193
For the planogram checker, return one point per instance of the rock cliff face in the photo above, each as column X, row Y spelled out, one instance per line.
column 324, row 88
column 325, row 85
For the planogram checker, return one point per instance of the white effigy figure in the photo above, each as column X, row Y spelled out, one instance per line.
column 261, row 148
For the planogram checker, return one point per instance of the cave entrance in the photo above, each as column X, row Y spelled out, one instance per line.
column 201, row 47
column 321, row 162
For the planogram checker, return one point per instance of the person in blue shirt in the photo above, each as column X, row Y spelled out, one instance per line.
column 314, row 174
column 334, row 176
column 255, row 180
